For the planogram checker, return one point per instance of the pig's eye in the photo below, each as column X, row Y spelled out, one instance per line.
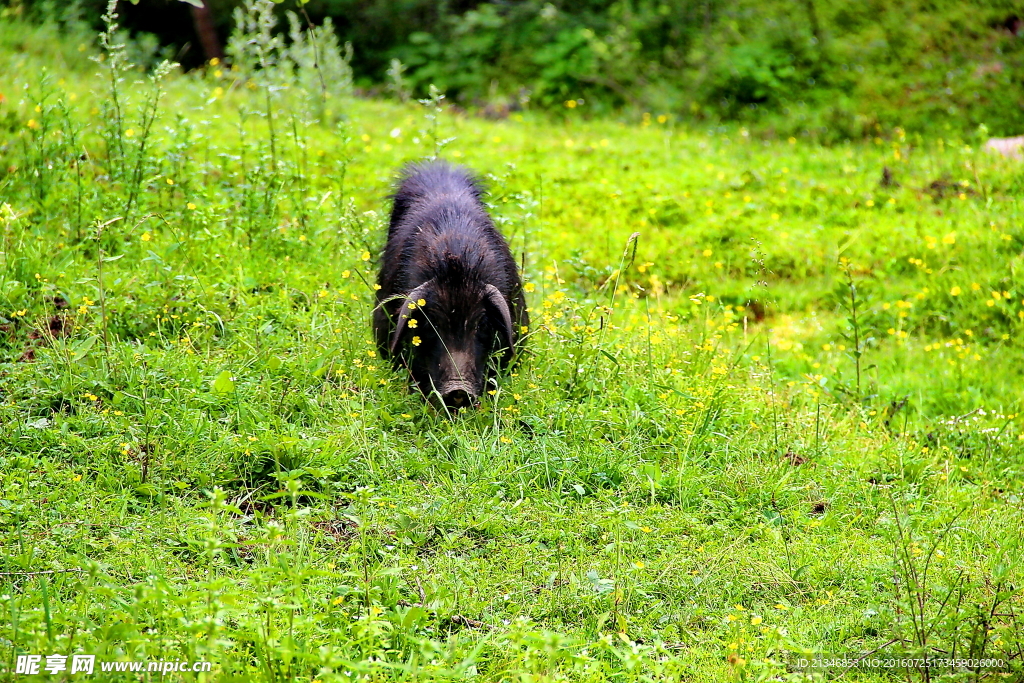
column 484, row 334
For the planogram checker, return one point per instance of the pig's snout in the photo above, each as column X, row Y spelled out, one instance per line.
column 458, row 395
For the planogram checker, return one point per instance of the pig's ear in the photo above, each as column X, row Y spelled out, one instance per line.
column 405, row 312
column 497, row 309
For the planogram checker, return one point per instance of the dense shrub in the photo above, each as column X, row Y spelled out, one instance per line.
column 832, row 70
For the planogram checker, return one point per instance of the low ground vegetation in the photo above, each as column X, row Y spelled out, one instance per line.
column 769, row 405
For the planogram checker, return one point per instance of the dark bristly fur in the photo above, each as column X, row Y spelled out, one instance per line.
column 443, row 248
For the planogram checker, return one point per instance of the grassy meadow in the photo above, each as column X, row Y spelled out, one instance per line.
column 769, row 406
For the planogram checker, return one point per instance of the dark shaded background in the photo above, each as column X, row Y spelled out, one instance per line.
column 842, row 68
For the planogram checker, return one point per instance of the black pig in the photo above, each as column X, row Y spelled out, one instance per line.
column 450, row 294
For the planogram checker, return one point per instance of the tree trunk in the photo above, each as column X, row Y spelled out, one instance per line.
column 202, row 18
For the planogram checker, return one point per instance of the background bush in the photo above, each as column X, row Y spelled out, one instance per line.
column 834, row 70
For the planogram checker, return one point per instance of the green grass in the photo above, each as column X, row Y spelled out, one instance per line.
column 780, row 420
